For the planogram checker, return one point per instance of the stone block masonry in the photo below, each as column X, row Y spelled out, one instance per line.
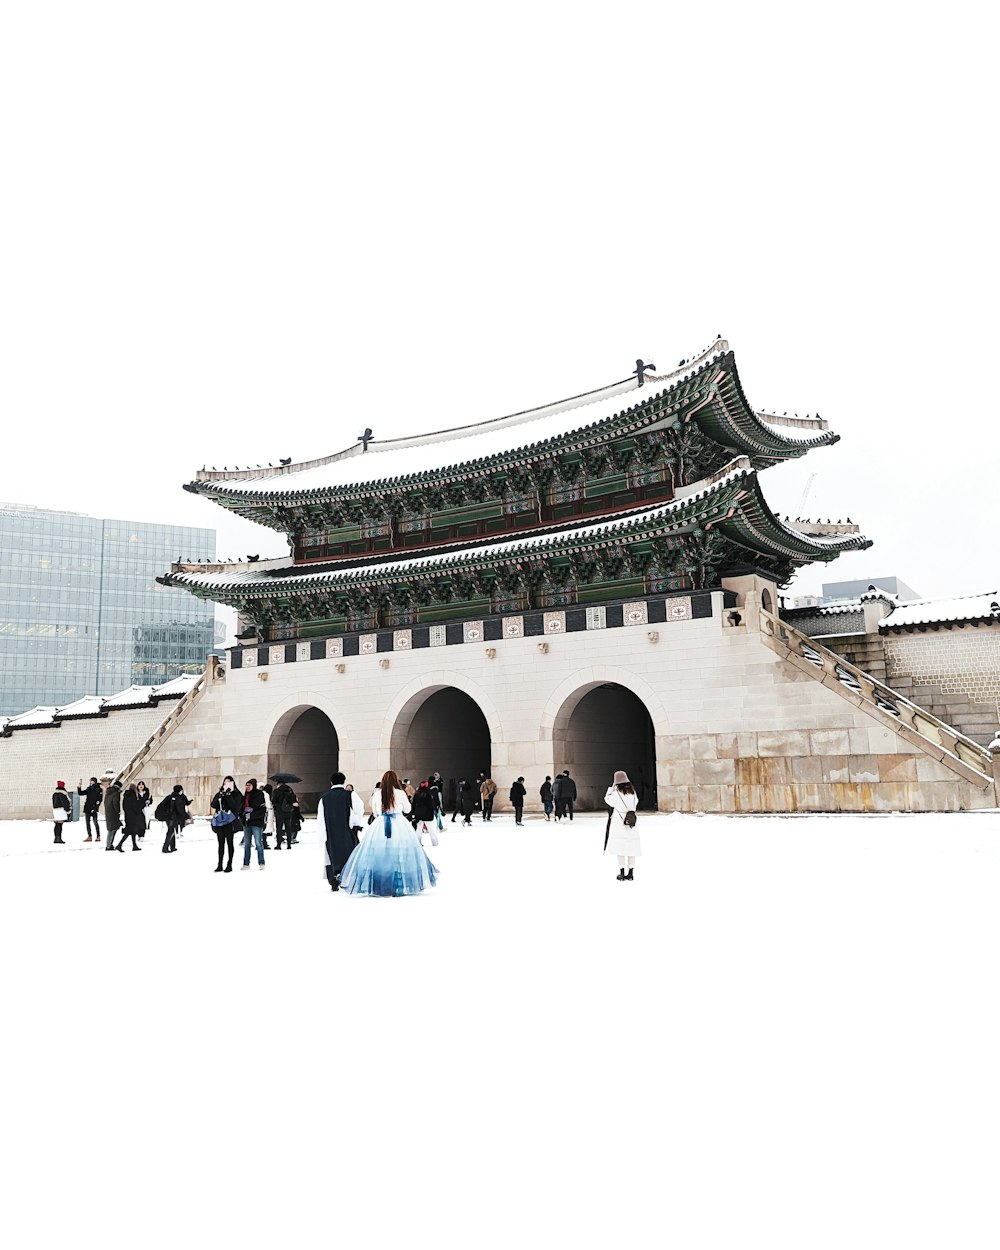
column 963, row 660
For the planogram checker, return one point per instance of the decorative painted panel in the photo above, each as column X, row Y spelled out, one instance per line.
column 678, row 609
column 473, row 631
column 513, row 627
column 635, row 613
column 368, row 644
column 555, row 622
column 303, row 650
column 334, row 648
column 250, row 657
column 402, row 639
column 276, row 655
column 438, row 636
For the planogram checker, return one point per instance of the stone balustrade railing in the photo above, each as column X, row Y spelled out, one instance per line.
column 915, row 724
column 163, row 731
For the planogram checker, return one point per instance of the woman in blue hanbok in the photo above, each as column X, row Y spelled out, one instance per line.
column 389, row 860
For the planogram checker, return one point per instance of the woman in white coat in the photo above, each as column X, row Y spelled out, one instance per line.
column 621, row 838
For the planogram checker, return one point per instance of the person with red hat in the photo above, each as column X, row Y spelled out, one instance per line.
column 61, row 809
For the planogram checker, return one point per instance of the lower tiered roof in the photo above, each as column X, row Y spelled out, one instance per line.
column 718, row 525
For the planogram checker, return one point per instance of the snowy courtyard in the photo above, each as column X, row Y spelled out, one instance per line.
column 784, row 1032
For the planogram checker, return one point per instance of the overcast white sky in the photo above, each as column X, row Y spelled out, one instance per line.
column 233, row 232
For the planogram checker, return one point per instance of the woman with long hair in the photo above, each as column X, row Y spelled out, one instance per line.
column 135, row 819
column 146, row 803
column 389, row 860
column 227, row 810
column 621, row 838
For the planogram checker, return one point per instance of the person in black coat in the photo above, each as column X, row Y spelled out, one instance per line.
column 112, row 813
column 60, row 803
column 469, row 800
column 567, row 794
column 545, row 794
column 145, row 800
column 135, row 818
column 517, row 795
column 254, row 819
column 557, row 795
column 286, row 808
column 177, row 810
column 227, row 799
column 92, row 796
column 342, row 812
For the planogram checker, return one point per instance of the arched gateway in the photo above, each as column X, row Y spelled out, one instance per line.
column 601, row 728
column 304, row 741
column 441, row 729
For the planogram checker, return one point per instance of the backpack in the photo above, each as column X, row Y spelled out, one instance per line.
column 163, row 809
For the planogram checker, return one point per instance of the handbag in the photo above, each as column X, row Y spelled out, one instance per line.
column 630, row 820
column 59, row 814
column 221, row 819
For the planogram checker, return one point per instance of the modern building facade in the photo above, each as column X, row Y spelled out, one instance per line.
column 81, row 611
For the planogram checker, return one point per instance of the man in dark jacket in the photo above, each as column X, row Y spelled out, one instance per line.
column 557, row 795
column 517, row 793
column 92, row 796
column 112, row 813
column 545, row 794
column 342, row 811
column 567, row 794
column 254, row 820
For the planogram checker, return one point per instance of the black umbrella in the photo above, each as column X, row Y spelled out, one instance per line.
column 288, row 777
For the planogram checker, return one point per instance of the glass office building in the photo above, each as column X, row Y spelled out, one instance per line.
column 81, row 611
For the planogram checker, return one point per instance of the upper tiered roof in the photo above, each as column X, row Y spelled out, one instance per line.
column 731, row 502
column 705, row 391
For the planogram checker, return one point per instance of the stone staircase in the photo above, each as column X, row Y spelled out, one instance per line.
column 912, row 722
column 156, row 740
column 977, row 721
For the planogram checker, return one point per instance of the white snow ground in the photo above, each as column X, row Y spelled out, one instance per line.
column 784, row 1033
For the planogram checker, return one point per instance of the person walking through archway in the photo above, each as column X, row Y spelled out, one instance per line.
column 285, row 806
column 92, row 795
column 487, row 793
column 135, row 818
column 389, row 861
column 517, row 796
column 545, row 794
column 620, row 837
column 227, row 806
column 567, row 793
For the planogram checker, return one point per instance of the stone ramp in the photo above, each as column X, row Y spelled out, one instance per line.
column 918, row 726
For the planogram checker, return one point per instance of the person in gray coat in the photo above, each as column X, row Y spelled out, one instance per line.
column 112, row 813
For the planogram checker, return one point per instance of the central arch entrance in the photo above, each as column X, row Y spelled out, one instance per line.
column 304, row 741
column 600, row 730
column 443, row 731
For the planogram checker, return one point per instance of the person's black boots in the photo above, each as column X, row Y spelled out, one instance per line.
column 621, row 874
column 629, row 877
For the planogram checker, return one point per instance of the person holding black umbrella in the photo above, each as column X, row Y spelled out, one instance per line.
column 286, row 808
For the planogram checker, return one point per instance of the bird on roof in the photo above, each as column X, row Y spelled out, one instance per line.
column 251, row 559
column 287, row 460
column 681, row 362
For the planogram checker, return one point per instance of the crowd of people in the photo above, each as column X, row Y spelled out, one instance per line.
column 387, row 858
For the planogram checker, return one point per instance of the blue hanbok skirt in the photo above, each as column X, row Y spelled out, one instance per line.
column 388, row 866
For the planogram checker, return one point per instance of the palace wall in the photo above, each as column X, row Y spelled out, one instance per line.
column 736, row 728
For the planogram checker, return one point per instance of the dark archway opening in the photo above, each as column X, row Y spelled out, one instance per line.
column 609, row 729
column 305, row 742
column 447, row 733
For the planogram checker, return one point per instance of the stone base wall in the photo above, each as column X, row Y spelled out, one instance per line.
column 734, row 727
